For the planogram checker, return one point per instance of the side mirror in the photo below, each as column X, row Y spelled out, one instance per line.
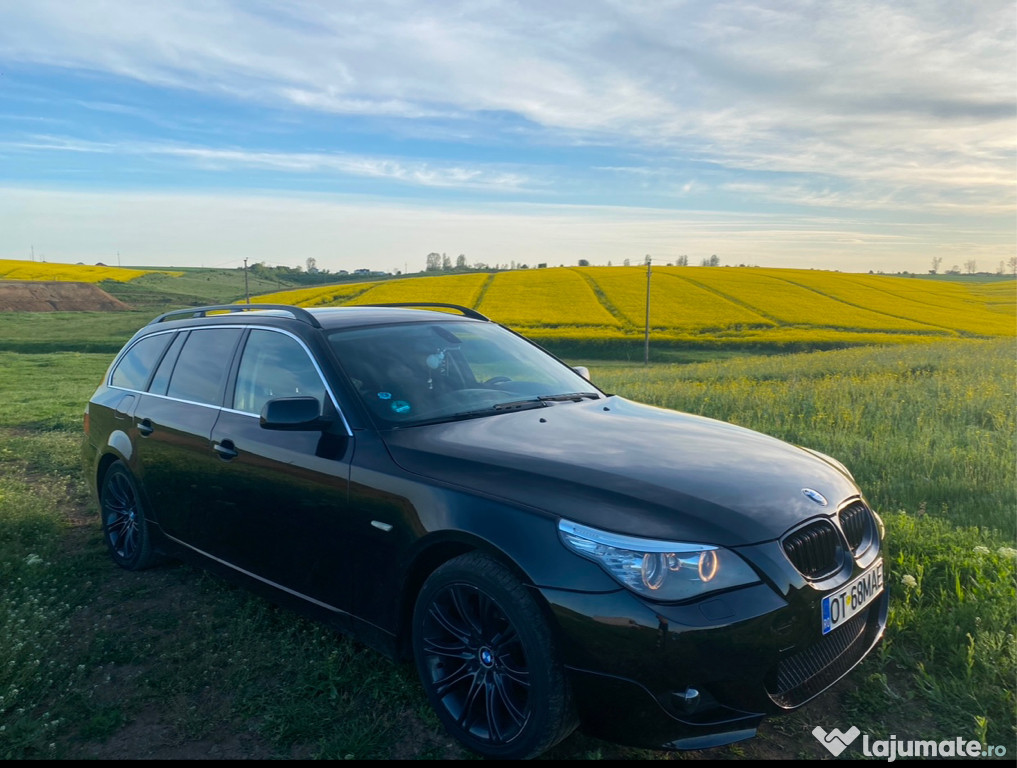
column 583, row 371
column 293, row 414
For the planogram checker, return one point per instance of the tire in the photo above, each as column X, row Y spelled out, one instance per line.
column 488, row 661
column 124, row 525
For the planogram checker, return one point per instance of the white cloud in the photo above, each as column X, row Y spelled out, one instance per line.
column 874, row 106
column 414, row 173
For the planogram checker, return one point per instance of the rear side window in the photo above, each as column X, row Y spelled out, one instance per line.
column 201, row 368
column 135, row 367
column 162, row 374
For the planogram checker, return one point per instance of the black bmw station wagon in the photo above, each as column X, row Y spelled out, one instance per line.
column 554, row 556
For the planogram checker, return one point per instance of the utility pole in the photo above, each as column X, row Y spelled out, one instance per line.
column 247, row 291
column 646, row 350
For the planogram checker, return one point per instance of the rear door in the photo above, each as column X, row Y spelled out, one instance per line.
column 174, row 421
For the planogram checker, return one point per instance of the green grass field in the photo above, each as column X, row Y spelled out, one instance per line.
column 99, row 663
column 89, row 653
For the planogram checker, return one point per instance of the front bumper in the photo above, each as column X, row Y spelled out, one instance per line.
column 706, row 673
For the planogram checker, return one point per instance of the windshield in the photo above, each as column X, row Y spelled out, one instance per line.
column 414, row 373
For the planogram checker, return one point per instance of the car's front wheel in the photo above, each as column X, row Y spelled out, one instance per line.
column 488, row 661
column 124, row 525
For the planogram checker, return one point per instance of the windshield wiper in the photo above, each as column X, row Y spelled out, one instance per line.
column 536, row 402
column 541, row 401
column 573, row 396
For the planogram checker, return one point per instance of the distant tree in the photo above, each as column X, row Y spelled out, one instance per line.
column 627, row 263
column 461, row 261
column 936, row 261
column 446, row 263
column 312, row 264
column 609, row 263
column 954, row 270
column 1012, row 263
column 682, row 261
column 1001, row 269
column 971, row 266
column 433, row 262
column 584, row 263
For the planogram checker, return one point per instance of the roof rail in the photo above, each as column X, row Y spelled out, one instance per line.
column 466, row 311
column 298, row 313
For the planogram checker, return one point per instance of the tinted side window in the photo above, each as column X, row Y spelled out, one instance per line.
column 203, row 364
column 274, row 365
column 162, row 374
column 133, row 370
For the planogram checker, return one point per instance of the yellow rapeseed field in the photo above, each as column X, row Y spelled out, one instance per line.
column 777, row 294
column 316, row 296
column 704, row 305
column 537, row 297
column 463, row 290
column 13, row 269
column 675, row 305
column 948, row 305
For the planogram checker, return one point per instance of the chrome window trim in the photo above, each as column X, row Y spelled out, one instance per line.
column 123, row 353
column 307, row 351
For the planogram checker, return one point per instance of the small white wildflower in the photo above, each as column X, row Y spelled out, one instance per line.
column 909, row 580
column 1007, row 551
column 981, row 550
column 33, row 560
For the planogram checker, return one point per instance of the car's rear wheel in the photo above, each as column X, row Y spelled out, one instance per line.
column 488, row 661
column 124, row 525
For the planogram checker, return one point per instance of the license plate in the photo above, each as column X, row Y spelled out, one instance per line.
column 852, row 598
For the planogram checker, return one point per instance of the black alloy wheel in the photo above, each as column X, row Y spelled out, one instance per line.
column 488, row 662
column 124, row 526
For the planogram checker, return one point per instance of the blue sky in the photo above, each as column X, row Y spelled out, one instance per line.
column 853, row 136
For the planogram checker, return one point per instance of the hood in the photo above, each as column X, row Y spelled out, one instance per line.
column 630, row 468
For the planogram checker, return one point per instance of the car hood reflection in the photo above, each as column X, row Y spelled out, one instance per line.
column 630, row 468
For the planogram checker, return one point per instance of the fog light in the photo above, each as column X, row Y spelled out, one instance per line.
column 686, row 701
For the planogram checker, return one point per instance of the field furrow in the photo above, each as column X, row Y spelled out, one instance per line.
column 555, row 297
column 792, row 304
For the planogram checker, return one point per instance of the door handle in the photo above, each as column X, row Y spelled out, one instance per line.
column 226, row 450
column 145, row 427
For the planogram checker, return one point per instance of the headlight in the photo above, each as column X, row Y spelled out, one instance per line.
column 660, row 570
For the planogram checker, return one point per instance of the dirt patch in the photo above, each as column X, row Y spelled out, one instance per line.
column 56, row 296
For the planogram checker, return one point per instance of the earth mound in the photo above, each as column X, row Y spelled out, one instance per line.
column 56, row 296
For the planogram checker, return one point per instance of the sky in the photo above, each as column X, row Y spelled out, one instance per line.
column 854, row 136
